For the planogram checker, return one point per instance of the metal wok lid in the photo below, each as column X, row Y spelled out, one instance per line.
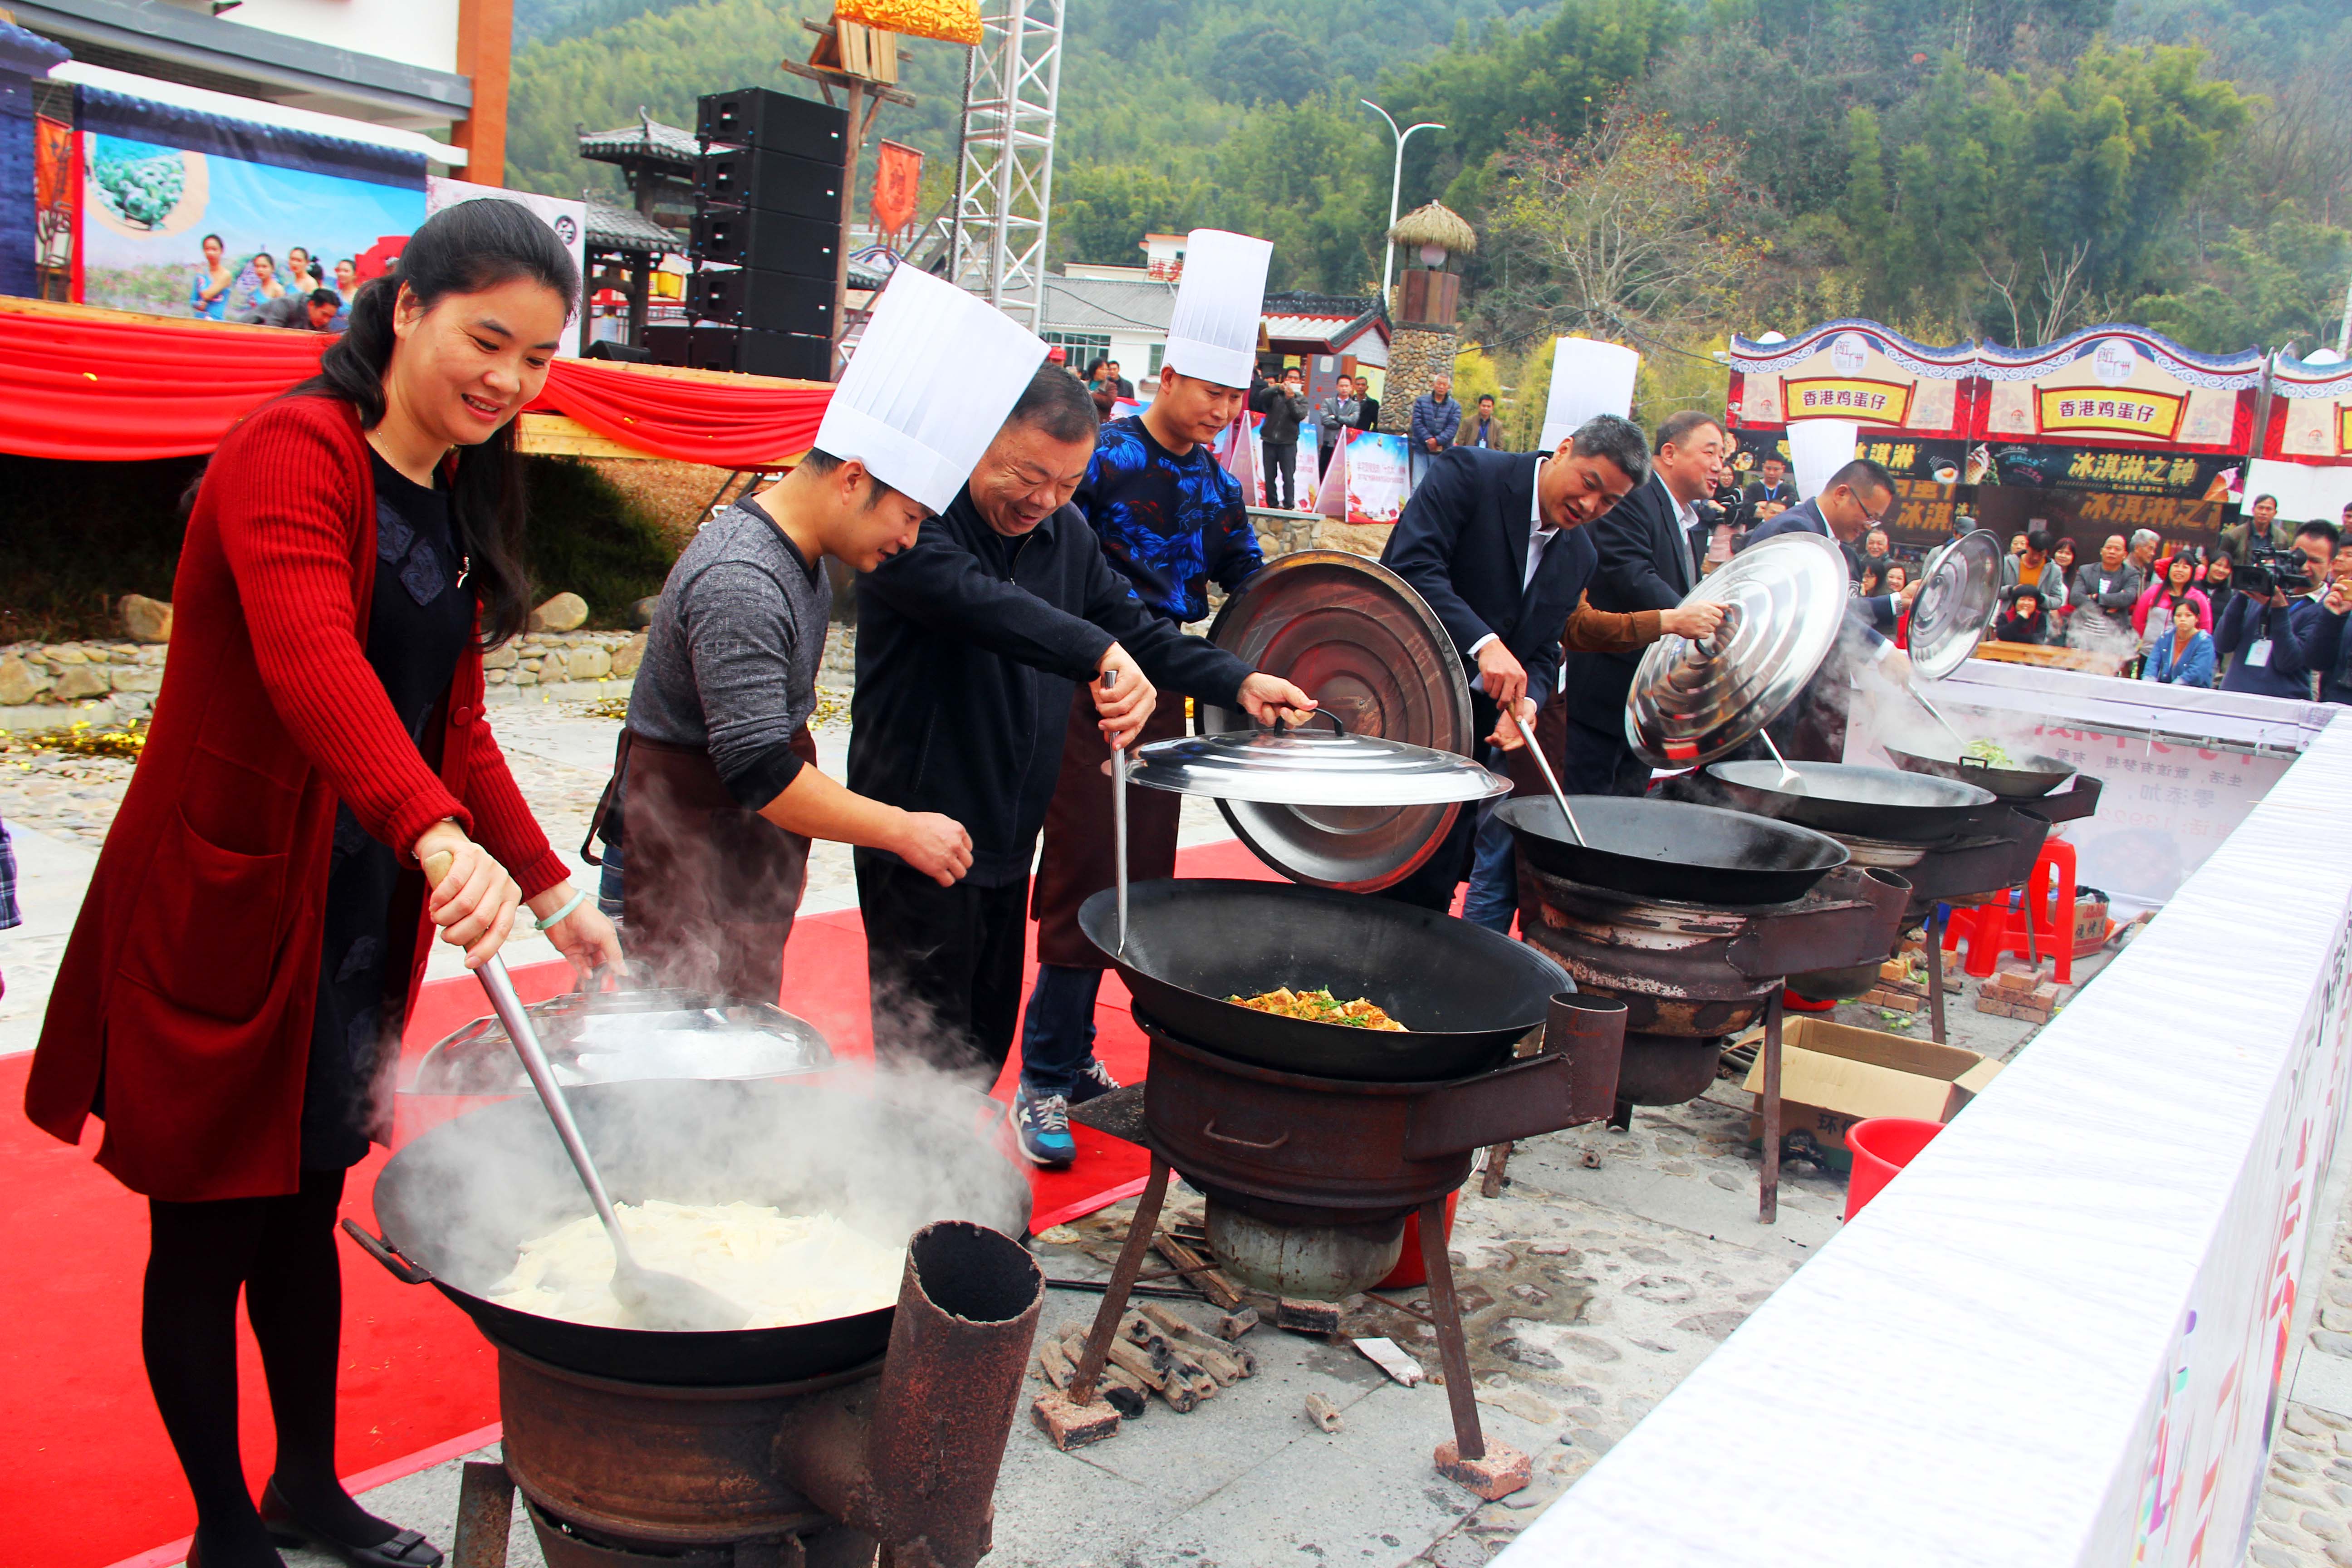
column 617, row 1036
column 1959, row 589
column 1692, row 701
column 1307, row 767
column 1358, row 639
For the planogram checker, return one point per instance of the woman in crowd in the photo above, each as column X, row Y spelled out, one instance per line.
column 2182, row 654
column 232, row 998
column 1894, row 579
column 266, row 285
column 209, row 291
column 2219, row 584
column 2021, row 619
column 2063, row 551
column 2175, row 584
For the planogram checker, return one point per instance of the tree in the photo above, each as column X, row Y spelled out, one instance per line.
column 1637, row 231
column 1102, row 211
column 1266, row 65
column 2282, row 283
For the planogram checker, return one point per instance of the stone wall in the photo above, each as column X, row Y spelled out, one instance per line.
column 48, row 686
column 1415, row 354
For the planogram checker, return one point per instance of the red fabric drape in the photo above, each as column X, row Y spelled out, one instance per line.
column 109, row 388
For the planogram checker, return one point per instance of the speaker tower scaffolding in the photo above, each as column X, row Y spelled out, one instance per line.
column 1004, row 176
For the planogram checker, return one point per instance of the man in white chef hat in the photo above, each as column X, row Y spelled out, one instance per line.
column 1171, row 519
column 716, row 793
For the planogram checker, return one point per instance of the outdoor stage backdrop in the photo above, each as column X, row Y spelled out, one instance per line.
column 157, row 180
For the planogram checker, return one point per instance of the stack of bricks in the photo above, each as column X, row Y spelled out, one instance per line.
column 1901, row 988
column 2017, row 992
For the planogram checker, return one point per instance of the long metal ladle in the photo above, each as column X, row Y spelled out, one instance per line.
column 1921, row 698
column 1119, row 819
column 1557, row 795
column 656, row 1299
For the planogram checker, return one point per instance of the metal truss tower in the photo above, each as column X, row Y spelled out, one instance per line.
column 1004, row 176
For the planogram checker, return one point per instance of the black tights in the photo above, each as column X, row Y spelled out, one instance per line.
column 281, row 1250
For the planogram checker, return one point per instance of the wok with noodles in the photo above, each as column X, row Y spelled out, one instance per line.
column 1320, row 1007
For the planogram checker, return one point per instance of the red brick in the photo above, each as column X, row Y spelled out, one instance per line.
column 1503, row 1471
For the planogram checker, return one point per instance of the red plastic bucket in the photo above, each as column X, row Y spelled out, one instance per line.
column 1409, row 1272
column 1881, row 1147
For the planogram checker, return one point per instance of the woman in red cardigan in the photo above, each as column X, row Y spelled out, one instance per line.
column 231, row 1000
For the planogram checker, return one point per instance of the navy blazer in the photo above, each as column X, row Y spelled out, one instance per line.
column 1644, row 564
column 1875, row 617
column 1463, row 544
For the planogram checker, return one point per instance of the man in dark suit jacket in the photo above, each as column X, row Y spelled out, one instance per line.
column 1646, row 563
column 1858, row 497
column 1494, row 541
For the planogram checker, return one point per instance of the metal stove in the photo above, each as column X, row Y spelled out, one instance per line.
column 900, row 1453
column 1691, row 974
column 1309, row 1182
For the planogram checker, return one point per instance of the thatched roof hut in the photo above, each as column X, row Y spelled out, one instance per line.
column 1435, row 225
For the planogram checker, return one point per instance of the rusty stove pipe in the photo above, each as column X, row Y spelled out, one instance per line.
column 911, row 1458
column 1590, row 1031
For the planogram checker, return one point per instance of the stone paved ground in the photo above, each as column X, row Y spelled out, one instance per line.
column 1609, row 1267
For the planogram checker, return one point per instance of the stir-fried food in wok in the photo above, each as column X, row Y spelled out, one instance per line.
column 1321, row 1007
column 1989, row 752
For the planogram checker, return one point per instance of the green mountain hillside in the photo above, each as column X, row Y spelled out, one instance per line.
column 1661, row 171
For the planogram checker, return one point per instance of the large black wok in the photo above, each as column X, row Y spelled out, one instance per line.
column 1846, row 798
column 458, row 1202
column 2029, row 778
column 1465, row 993
column 1671, row 849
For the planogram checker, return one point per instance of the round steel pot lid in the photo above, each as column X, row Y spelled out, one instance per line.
column 1691, row 701
column 1959, row 590
column 619, row 1035
column 1358, row 639
column 1312, row 766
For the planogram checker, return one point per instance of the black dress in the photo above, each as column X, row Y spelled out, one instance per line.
column 419, row 619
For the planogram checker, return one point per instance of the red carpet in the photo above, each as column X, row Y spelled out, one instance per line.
column 92, row 1481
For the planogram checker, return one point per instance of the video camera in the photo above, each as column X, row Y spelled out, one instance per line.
column 2269, row 570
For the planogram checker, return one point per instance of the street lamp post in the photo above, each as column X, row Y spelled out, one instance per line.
column 1396, row 187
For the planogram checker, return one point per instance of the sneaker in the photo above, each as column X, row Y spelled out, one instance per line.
column 1092, row 1083
column 1042, row 1125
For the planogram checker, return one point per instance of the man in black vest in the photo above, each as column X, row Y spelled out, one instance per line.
column 1646, row 563
column 1495, row 542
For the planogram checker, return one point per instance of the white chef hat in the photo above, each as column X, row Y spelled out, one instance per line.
column 1587, row 378
column 929, row 387
column 1818, row 449
column 1212, row 334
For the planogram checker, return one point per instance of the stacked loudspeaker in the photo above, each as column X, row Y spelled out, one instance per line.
column 767, row 237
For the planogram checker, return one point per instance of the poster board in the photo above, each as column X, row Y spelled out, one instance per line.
column 568, row 220
column 1915, row 407
column 156, row 182
column 1370, row 479
column 2310, row 414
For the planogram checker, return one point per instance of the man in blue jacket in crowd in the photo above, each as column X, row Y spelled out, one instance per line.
column 1436, row 419
column 2275, row 643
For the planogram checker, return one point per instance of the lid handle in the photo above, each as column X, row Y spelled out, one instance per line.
column 1337, row 724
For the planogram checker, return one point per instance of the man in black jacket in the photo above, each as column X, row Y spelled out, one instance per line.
column 969, row 645
column 1646, row 563
column 1859, row 496
column 1494, row 541
column 2282, row 639
column 1284, row 405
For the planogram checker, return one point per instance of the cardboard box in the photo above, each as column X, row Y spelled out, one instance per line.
column 1835, row 1075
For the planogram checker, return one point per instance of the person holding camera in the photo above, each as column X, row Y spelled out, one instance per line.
column 2287, row 620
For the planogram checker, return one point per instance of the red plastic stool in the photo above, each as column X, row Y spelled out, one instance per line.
column 1996, row 929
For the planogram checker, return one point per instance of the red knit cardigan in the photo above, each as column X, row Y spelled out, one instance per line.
column 182, row 1006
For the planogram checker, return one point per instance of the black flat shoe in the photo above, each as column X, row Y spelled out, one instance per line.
column 406, row 1549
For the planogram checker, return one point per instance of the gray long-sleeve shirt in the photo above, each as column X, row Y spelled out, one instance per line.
column 731, row 662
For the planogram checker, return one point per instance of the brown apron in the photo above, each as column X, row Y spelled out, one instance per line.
column 1078, row 862
column 708, row 888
